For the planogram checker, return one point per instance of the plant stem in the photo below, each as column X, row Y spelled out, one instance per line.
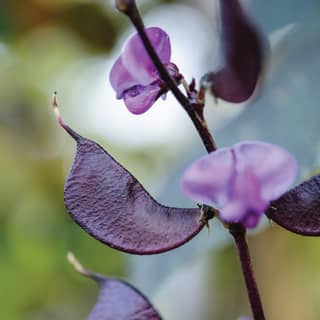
column 239, row 234
column 194, row 110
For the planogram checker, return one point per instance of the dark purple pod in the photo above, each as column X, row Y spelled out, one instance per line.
column 112, row 206
column 298, row 210
column 117, row 300
column 243, row 55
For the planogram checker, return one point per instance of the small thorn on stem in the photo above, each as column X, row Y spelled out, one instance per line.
column 205, row 84
column 190, row 90
column 205, row 81
column 185, row 85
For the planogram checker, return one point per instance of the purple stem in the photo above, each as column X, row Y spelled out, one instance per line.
column 195, row 112
column 239, row 234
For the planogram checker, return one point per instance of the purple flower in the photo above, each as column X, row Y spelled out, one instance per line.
column 241, row 180
column 134, row 76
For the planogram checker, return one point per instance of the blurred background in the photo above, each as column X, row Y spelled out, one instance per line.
column 69, row 46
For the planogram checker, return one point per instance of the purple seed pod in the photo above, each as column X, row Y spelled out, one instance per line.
column 112, row 206
column 117, row 300
column 243, row 54
column 298, row 210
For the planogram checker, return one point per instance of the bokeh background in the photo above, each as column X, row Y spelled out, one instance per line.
column 69, row 46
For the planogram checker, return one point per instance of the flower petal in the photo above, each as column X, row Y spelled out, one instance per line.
column 245, row 204
column 273, row 166
column 207, row 180
column 136, row 59
column 251, row 219
column 120, row 78
column 241, row 180
column 139, row 99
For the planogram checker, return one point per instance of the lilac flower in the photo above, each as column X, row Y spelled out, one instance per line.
column 134, row 76
column 241, row 180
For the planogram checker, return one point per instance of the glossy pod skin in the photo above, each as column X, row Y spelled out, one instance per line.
column 298, row 210
column 243, row 52
column 113, row 207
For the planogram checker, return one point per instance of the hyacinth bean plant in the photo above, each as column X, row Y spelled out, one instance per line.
column 235, row 185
